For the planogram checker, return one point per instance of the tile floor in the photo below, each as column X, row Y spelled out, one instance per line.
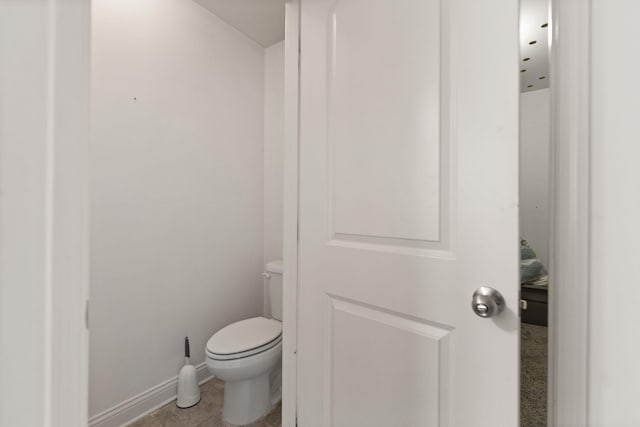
column 207, row 413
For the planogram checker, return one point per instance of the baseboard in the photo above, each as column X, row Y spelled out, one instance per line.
column 146, row 402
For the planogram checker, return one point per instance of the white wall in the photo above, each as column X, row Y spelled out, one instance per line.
column 614, row 344
column 273, row 153
column 534, row 171
column 177, row 189
column 273, row 150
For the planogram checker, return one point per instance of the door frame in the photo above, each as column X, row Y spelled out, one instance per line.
column 570, row 213
column 44, row 213
column 290, row 214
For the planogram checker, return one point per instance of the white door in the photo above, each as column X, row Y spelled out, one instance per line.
column 408, row 203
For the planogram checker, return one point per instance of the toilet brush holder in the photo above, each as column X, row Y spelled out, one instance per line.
column 188, row 387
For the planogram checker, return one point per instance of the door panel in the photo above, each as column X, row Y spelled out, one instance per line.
column 407, row 355
column 400, row 92
column 408, row 203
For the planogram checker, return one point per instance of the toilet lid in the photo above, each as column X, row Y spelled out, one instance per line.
column 244, row 335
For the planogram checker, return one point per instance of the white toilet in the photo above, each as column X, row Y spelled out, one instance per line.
column 247, row 356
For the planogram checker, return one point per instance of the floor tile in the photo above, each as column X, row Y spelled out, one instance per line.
column 207, row 413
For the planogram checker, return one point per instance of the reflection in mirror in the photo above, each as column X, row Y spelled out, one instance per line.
column 534, row 203
column 534, row 44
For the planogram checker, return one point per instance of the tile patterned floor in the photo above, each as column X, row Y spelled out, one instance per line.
column 207, row 413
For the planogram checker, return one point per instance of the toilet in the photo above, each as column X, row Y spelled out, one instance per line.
column 247, row 356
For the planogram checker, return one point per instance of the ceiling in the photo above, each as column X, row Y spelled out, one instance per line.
column 263, row 21
column 534, row 45
column 260, row 20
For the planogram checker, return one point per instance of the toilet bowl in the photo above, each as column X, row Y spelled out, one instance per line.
column 243, row 355
column 247, row 356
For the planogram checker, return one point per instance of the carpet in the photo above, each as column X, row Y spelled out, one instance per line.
column 533, row 376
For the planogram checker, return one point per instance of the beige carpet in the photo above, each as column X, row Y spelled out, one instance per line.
column 533, row 379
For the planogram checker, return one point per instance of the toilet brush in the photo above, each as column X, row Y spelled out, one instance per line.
column 188, row 388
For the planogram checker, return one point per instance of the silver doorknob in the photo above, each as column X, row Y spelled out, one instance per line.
column 487, row 302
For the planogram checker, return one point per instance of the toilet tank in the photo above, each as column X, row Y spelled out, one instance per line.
column 274, row 269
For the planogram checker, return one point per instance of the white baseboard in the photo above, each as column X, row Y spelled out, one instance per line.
column 146, row 402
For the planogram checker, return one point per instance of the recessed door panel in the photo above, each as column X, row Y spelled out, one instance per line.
column 384, row 119
column 408, row 391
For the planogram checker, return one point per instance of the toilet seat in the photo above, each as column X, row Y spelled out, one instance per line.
column 247, row 353
column 244, row 338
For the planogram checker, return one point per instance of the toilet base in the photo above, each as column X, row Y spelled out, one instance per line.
column 246, row 401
